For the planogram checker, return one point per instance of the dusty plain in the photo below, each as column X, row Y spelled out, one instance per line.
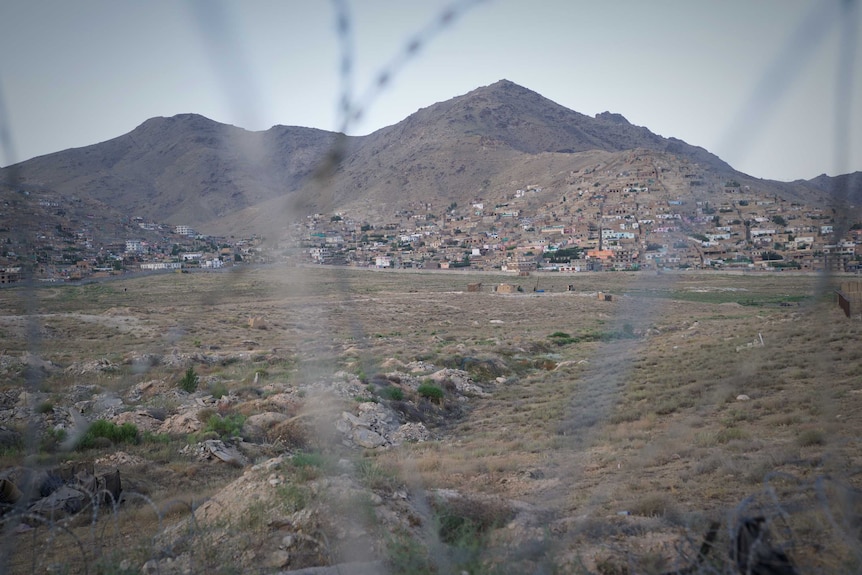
column 609, row 434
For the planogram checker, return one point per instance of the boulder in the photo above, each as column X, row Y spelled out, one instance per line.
column 61, row 502
column 223, row 452
column 181, row 424
column 145, row 389
column 367, row 438
column 256, row 426
column 460, row 379
column 140, row 419
column 411, row 432
column 9, row 493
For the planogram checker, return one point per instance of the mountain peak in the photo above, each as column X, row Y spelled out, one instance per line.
column 190, row 169
column 507, row 85
column 613, row 118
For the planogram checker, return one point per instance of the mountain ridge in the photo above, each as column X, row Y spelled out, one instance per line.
column 190, row 169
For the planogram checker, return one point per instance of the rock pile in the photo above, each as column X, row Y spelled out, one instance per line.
column 216, row 449
column 376, row 425
column 40, row 496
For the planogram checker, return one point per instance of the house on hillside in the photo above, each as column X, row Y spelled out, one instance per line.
column 10, row 275
column 134, row 247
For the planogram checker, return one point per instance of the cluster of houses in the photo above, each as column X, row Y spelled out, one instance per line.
column 59, row 254
column 636, row 216
column 644, row 211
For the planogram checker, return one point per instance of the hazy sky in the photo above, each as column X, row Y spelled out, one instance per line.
column 755, row 81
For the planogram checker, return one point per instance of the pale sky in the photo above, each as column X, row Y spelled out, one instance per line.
column 755, row 81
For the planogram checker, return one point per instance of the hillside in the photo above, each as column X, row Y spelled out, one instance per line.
column 846, row 186
column 185, row 169
column 220, row 178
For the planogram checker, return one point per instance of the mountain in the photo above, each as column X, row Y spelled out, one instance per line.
column 522, row 120
column 847, row 186
column 189, row 169
column 482, row 141
column 183, row 169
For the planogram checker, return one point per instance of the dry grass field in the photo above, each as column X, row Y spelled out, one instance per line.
column 609, row 436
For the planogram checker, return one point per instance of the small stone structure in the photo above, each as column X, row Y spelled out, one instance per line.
column 849, row 298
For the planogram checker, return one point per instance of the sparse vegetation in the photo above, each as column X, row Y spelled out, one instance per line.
column 103, row 433
column 668, row 438
column 562, row 338
column 392, row 393
column 189, row 381
column 218, row 389
column 430, row 391
column 811, row 437
column 229, row 425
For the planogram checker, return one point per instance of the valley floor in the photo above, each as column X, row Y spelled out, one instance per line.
column 402, row 421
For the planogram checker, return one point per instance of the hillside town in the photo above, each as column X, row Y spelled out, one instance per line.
column 640, row 213
column 639, row 216
column 63, row 246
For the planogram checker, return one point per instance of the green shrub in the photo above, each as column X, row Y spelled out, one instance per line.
column 45, row 407
column 205, row 414
column 158, row 438
column 392, row 393
column 293, row 497
column 107, row 430
column 464, row 526
column 218, row 389
column 51, row 439
column 189, row 381
column 309, row 466
column 304, row 459
column 811, row 437
column 405, row 554
column 430, row 391
column 562, row 338
column 225, row 426
column 729, row 434
column 374, row 476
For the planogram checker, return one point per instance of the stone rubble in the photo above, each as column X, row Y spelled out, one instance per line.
column 157, row 406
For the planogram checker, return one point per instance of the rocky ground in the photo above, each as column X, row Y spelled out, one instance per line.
column 449, row 432
column 342, row 417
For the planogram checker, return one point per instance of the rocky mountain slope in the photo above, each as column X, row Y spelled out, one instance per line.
column 182, row 169
column 847, row 186
column 191, row 170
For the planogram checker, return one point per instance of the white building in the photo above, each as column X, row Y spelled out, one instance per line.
column 320, row 254
column 161, row 266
